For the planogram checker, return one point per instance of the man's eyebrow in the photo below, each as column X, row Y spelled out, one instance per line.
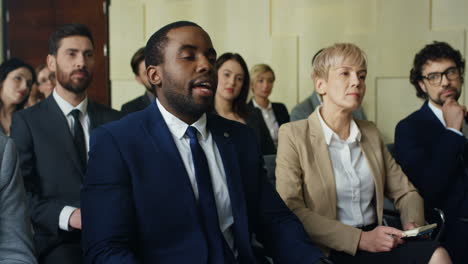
column 187, row 46
column 449, row 68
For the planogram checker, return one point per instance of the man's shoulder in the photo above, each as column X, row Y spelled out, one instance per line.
column 97, row 108
column 134, row 102
column 416, row 118
column 34, row 112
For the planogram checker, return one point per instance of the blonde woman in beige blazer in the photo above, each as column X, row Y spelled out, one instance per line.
column 333, row 172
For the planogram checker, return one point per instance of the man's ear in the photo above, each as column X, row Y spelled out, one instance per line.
column 154, row 75
column 52, row 63
column 422, row 86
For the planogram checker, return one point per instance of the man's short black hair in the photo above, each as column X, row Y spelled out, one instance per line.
column 137, row 58
column 157, row 42
column 434, row 52
column 67, row 30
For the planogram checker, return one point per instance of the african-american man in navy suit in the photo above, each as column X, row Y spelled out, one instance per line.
column 176, row 184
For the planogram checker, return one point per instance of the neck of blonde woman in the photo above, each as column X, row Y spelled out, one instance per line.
column 262, row 101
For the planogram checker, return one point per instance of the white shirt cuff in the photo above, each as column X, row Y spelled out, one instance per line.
column 64, row 217
column 456, row 131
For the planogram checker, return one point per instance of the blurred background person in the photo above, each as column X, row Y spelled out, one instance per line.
column 43, row 87
column 139, row 69
column 16, row 245
column 272, row 114
column 231, row 96
column 16, row 80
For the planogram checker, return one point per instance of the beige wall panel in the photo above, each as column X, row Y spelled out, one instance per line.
column 126, row 35
column 209, row 14
column 392, row 94
column 449, row 14
column 284, row 63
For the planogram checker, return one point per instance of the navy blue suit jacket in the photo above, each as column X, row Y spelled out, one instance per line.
column 138, row 205
column 432, row 157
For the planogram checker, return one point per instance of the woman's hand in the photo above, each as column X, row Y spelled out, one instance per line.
column 381, row 239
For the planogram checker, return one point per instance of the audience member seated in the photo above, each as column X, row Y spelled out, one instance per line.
column 308, row 105
column 43, row 87
column 273, row 115
column 15, row 226
column 16, row 78
column 231, row 97
column 139, row 69
column 333, row 171
column 431, row 143
column 52, row 139
column 187, row 186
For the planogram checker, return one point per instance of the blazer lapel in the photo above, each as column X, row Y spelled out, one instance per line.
column 163, row 143
column 226, row 148
column 369, row 152
column 322, row 159
column 61, row 130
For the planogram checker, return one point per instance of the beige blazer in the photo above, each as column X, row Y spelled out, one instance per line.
column 305, row 181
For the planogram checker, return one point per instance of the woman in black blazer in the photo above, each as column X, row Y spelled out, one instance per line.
column 272, row 115
column 231, row 98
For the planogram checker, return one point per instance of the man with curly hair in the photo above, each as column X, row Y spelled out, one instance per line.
column 430, row 143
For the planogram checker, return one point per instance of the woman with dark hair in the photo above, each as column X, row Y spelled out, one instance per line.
column 231, row 97
column 16, row 80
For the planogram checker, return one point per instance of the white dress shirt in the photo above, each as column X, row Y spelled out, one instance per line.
column 178, row 128
column 270, row 120
column 66, row 109
column 353, row 177
column 440, row 115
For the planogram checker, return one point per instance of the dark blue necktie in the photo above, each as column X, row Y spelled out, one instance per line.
column 206, row 201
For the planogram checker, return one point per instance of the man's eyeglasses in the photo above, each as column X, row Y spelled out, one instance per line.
column 435, row 78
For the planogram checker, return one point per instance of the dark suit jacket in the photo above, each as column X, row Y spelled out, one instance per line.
column 150, row 210
column 431, row 156
column 257, row 122
column 136, row 104
column 50, row 166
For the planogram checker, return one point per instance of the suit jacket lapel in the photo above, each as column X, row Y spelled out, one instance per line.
column 163, row 143
column 369, row 152
column 322, row 159
column 226, row 148
column 61, row 130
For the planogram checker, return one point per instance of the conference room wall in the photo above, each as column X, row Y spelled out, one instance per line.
column 286, row 34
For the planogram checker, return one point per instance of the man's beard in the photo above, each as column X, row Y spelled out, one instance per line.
column 440, row 101
column 77, row 88
column 185, row 104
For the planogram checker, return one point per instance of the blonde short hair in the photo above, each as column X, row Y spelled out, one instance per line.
column 335, row 55
column 259, row 69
